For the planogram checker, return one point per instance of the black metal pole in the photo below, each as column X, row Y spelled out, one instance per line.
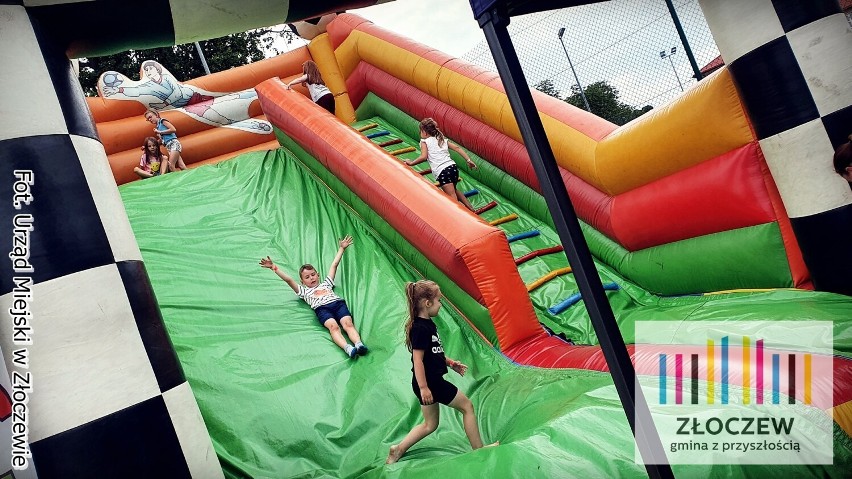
column 684, row 41
column 494, row 24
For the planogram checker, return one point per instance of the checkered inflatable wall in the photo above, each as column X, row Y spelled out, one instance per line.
column 792, row 63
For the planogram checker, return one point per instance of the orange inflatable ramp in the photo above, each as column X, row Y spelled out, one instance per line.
column 474, row 254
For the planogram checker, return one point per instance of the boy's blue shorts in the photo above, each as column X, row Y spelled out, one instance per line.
column 335, row 310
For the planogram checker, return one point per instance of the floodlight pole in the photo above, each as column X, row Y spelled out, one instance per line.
column 493, row 22
column 582, row 93
column 669, row 56
column 203, row 60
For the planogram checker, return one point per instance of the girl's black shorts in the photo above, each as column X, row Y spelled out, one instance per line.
column 449, row 174
column 443, row 391
column 327, row 101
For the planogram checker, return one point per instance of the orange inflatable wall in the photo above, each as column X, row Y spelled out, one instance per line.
column 122, row 128
column 476, row 255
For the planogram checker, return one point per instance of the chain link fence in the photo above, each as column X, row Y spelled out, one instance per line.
column 631, row 45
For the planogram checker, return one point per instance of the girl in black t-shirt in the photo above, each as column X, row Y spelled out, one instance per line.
column 428, row 367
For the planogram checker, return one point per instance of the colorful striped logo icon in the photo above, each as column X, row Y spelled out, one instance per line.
column 739, row 392
column 749, row 368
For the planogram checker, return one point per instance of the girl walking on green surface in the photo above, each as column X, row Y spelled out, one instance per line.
column 428, row 365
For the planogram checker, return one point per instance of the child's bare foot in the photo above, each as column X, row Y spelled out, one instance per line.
column 393, row 454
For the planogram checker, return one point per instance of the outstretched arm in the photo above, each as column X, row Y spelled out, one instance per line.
column 129, row 91
column 344, row 243
column 147, row 88
column 267, row 263
column 463, row 153
column 424, row 152
column 457, row 366
column 296, row 81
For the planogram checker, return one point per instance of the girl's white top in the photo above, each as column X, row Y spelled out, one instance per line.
column 317, row 90
column 438, row 155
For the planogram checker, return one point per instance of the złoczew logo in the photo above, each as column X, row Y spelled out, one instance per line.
column 751, row 392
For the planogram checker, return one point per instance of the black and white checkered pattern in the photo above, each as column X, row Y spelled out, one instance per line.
column 109, row 398
column 791, row 62
column 92, row 28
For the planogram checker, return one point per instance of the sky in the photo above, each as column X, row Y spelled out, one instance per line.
column 617, row 41
column 446, row 25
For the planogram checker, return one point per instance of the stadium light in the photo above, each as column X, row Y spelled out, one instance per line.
column 582, row 93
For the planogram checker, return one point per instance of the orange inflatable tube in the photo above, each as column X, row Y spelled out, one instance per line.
column 122, row 128
column 460, row 244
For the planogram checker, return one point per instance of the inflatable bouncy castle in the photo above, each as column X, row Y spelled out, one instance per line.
column 158, row 344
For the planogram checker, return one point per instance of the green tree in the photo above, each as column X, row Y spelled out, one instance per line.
column 546, row 86
column 604, row 102
column 182, row 60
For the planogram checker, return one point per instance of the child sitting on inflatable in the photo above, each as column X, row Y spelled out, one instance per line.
column 153, row 162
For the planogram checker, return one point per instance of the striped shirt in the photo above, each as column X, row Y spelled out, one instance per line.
column 319, row 295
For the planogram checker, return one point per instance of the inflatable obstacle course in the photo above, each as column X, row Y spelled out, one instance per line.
column 527, row 232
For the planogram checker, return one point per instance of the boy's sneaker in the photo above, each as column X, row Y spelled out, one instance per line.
column 361, row 349
column 351, row 351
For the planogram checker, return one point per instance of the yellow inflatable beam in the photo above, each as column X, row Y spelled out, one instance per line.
column 706, row 122
column 505, row 219
column 842, row 415
column 540, row 281
column 323, row 55
column 403, row 150
column 367, row 127
column 752, row 290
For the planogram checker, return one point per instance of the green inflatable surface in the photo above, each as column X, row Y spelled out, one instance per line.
column 630, row 303
column 281, row 400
